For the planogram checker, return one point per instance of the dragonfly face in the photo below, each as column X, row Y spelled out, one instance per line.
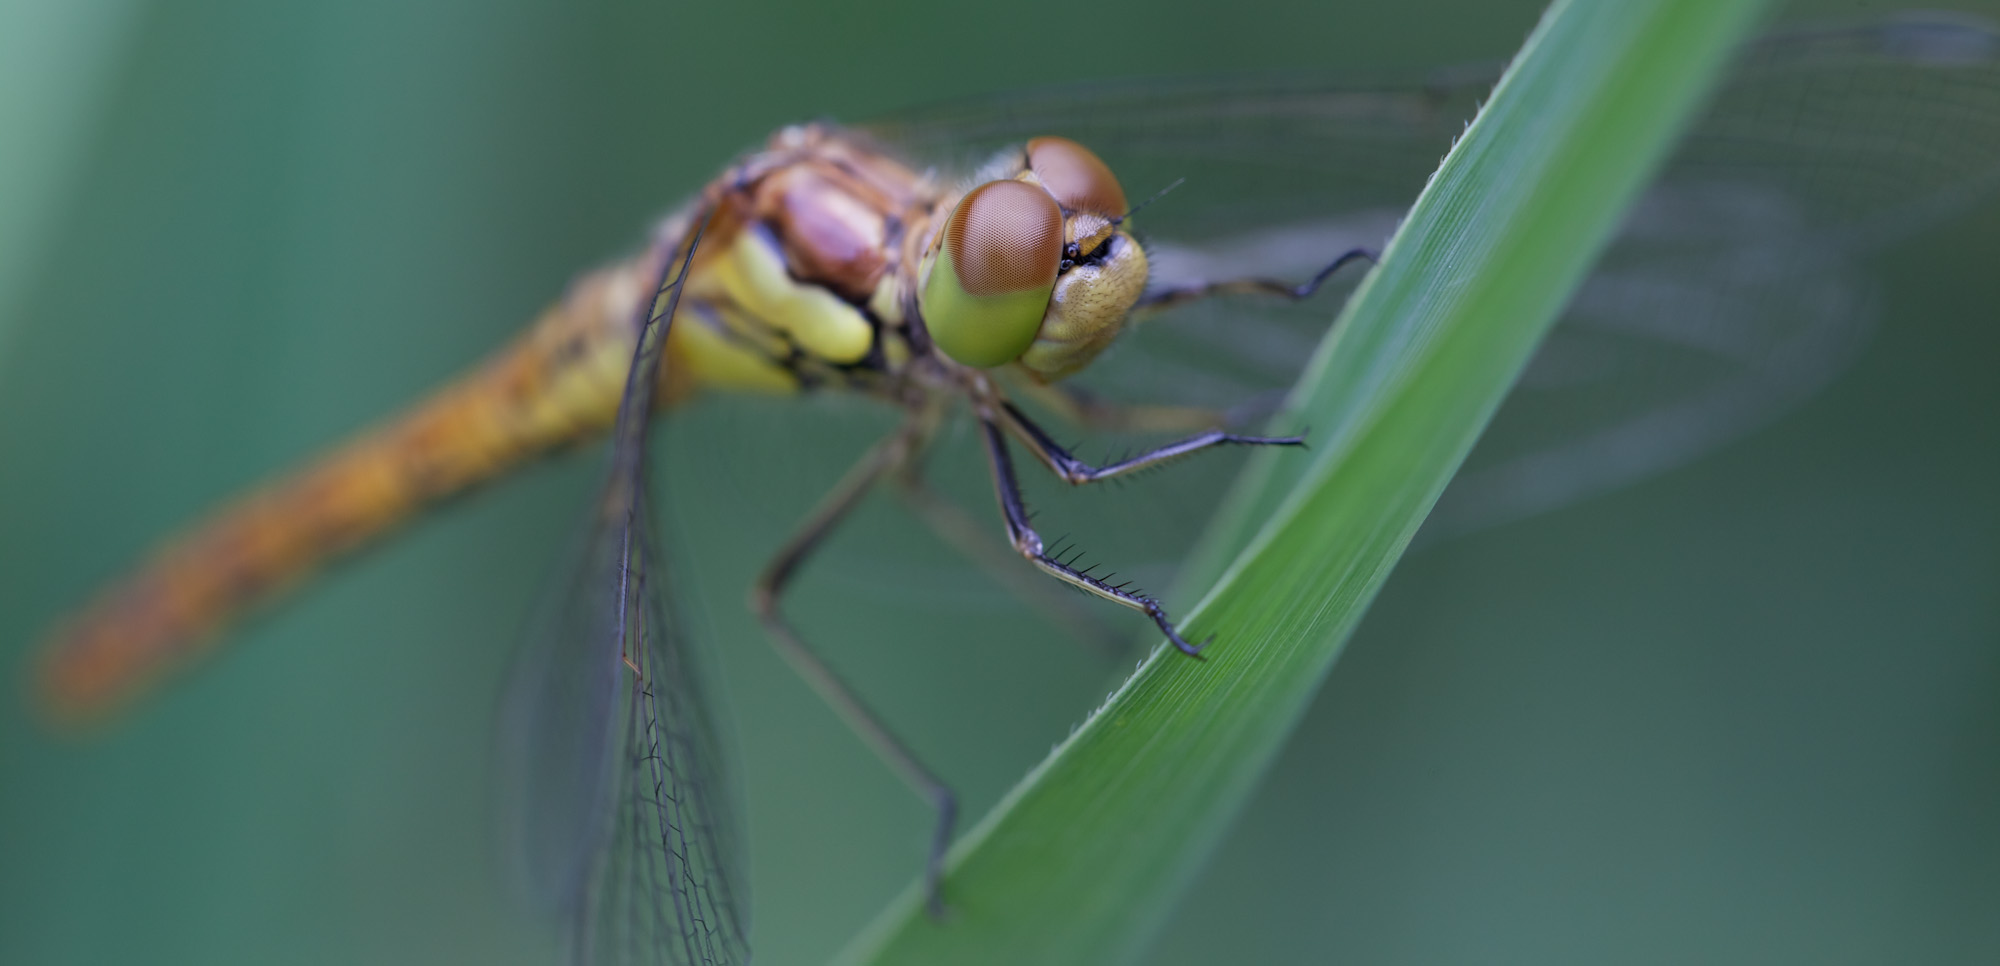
column 1035, row 266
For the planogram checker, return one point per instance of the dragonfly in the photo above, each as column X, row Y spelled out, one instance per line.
column 981, row 261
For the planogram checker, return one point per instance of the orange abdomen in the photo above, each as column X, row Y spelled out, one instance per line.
column 558, row 384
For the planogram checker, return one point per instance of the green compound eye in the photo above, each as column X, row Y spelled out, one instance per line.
column 989, row 286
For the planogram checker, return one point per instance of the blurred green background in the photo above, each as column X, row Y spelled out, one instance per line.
column 1748, row 711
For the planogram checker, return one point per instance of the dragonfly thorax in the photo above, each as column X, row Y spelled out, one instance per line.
column 828, row 262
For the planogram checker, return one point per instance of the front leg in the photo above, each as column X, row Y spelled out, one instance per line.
column 1086, row 410
column 1166, row 298
column 1076, row 472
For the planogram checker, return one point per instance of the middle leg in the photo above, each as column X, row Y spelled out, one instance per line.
column 974, row 541
column 1029, row 544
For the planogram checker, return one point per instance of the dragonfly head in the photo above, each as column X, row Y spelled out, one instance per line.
column 1035, row 267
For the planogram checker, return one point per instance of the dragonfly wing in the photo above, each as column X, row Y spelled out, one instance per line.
column 1736, row 290
column 1740, row 286
column 620, row 814
column 1255, row 152
column 667, row 888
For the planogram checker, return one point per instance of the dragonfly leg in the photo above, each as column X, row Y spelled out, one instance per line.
column 1074, row 471
column 972, row 540
column 765, row 597
column 1029, row 544
column 1080, row 407
column 1166, row 298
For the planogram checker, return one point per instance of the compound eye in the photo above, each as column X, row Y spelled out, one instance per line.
column 993, row 272
column 1078, row 179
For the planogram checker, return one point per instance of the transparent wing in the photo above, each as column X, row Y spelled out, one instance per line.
column 666, row 891
column 620, row 814
column 1737, row 289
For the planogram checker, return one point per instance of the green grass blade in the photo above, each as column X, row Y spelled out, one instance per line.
column 1082, row 861
column 56, row 68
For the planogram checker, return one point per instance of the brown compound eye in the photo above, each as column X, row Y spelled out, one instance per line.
column 989, row 283
column 1078, row 179
column 1005, row 237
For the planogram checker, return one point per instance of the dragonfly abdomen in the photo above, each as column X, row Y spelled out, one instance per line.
column 793, row 283
column 557, row 385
